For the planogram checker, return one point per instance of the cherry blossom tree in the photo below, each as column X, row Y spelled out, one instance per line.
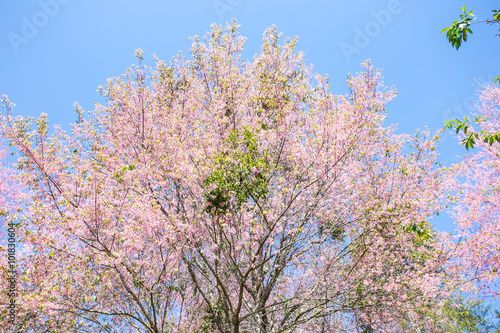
column 219, row 194
column 477, row 185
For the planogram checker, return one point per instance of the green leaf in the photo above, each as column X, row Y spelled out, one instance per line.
column 463, row 8
column 496, row 15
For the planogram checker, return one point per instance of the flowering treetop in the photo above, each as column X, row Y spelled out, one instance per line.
column 217, row 194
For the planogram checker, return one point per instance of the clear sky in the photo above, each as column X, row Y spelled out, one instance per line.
column 56, row 52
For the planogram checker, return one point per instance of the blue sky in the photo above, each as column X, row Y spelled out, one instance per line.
column 56, row 52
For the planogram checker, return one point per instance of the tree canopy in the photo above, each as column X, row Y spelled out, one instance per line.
column 218, row 194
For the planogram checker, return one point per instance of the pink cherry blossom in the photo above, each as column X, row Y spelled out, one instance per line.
column 218, row 194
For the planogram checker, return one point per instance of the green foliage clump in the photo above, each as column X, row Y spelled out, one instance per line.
column 241, row 173
column 458, row 31
column 471, row 136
